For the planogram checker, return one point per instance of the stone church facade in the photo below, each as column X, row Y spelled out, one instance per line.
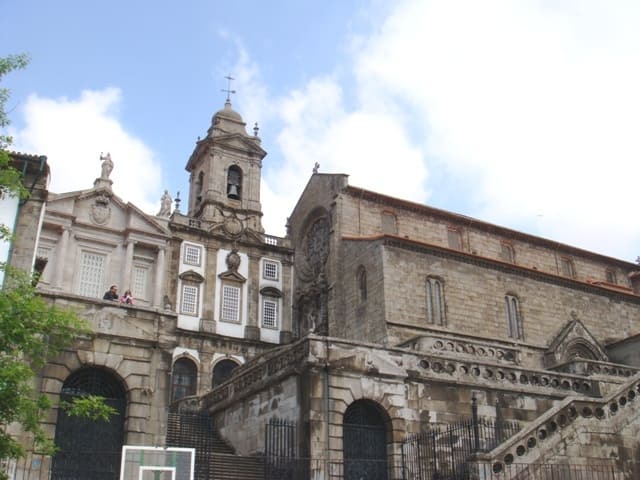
column 373, row 314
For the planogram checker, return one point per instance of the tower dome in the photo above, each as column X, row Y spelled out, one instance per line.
column 227, row 120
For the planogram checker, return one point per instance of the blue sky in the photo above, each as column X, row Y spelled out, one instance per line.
column 521, row 113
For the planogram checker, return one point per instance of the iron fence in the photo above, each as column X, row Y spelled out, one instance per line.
column 444, row 452
column 539, row 471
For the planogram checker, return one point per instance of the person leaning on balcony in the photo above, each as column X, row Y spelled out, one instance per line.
column 111, row 294
column 127, row 298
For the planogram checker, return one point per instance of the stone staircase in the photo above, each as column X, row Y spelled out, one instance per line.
column 578, row 430
column 215, row 458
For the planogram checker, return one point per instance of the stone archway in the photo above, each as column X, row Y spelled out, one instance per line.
column 88, row 448
column 365, row 433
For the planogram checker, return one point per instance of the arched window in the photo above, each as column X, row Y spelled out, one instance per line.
column 222, row 371
column 234, row 182
column 361, row 283
column 435, row 301
column 184, row 379
column 87, row 448
column 514, row 322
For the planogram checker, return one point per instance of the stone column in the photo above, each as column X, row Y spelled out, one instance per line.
column 157, row 290
column 252, row 328
column 61, row 259
column 128, row 262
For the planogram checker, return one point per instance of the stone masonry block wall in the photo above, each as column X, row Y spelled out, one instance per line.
column 362, row 216
column 243, row 423
column 475, row 300
column 363, row 319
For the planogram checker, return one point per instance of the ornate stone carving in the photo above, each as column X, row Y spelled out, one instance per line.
column 100, row 210
column 233, row 260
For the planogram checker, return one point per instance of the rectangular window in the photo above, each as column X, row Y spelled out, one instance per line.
column 230, row 304
column 139, row 285
column 189, row 305
column 192, row 255
column 270, row 313
column 270, row 270
column 454, row 237
column 611, row 277
column 92, row 274
column 567, row 267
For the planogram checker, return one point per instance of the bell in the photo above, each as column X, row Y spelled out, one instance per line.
column 233, row 191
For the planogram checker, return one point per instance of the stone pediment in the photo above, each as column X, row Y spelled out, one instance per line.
column 191, row 276
column 574, row 341
column 237, row 141
column 102, row 208
column 233, row 276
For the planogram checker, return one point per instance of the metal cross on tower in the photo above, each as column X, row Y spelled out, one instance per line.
column 228, row 89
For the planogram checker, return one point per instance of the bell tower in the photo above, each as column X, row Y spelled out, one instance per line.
column 225, row 171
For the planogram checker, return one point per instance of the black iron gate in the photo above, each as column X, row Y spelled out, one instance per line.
column 87, row 448
column 364, row 443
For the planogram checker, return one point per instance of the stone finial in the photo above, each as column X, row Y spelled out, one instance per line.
column 316, row 167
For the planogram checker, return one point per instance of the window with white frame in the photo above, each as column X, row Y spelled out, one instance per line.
column 139, row 283
column 192, row 255
column 92, row 266
column 435, row 301
column 189, row 300
column 230, row 309
column 270, row 312
column 270, row 270
column 514, row 322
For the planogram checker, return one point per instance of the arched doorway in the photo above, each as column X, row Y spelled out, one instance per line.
column 222, row 371
column 88, row 448
column 365, row 442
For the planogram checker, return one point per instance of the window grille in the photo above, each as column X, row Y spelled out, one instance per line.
column 270, row 270
column 92, row 274
column 230, row 304
column 192, row 255
column 270, row 313
column 189, row 304
column 139, row 287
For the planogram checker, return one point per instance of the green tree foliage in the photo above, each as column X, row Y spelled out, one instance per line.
column 10, row 178
column 32, row 332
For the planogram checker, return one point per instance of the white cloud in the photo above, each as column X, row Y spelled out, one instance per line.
column 534, row 105
column 73, row 133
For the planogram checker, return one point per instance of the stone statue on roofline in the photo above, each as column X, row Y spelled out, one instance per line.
column 165, row 205
column 107, row 165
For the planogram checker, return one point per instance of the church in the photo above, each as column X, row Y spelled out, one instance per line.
column 364, row 344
